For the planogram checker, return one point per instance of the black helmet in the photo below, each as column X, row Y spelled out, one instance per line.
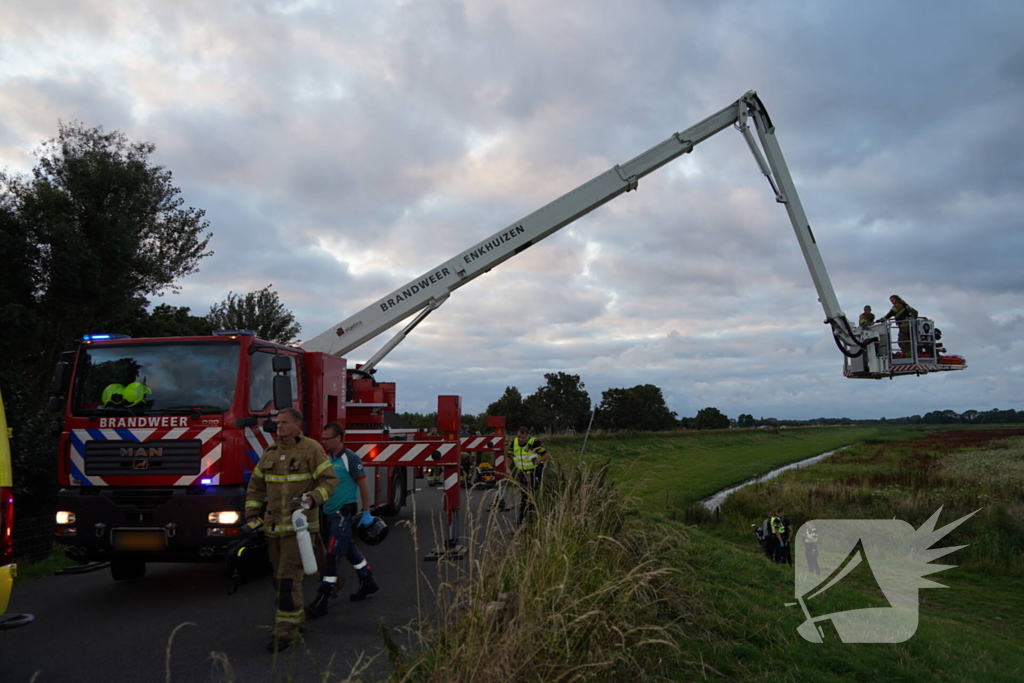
column 375, row 533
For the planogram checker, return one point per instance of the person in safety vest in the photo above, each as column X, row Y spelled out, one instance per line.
column 903, row 312
column 292, row 473
column 810, row 539
column 342, row 514
column 782, row 532
column 528, row 456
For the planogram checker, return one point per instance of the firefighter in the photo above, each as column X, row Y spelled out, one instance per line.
column 292, row 473
column 528, row 456
column 903, row 312
column 810, row 539
column 342, row 514
column 867, row 317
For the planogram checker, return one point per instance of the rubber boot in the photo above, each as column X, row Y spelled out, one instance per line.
column 367, row 586
column 318, row 607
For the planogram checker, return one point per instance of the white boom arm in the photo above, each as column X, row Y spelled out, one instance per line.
column 433, row 287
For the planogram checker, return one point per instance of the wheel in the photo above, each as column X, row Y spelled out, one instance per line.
column 126, row 570
column 398, row 495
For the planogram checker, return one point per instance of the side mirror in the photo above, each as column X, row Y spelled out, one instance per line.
column 282, row 363
column 61, row 376
column 55, row 404
column 270, row 426
column 282, row 392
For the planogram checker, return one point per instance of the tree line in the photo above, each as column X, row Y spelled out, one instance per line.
column 562, row 405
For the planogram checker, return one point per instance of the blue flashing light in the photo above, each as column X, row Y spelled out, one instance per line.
column 104, row 337
column 233, row 333
column 206, row 481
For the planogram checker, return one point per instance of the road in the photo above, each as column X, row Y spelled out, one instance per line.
column 90, row 628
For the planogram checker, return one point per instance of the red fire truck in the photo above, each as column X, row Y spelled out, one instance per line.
column 159, row 435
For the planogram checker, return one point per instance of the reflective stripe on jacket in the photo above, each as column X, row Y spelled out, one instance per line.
column 777, row 526
column 284, row 473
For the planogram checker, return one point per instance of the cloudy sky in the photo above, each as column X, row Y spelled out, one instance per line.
column 341, row 149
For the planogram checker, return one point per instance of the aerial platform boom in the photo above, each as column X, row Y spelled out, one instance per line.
column 428, row 291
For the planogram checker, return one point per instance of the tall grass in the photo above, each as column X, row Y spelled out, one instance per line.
column 582, row 591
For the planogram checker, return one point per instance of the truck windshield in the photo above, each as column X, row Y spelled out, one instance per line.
column 154, row 379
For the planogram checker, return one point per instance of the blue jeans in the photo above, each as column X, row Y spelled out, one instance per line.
column 340, row 543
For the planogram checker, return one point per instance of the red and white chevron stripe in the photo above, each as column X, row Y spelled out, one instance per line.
column 482, row 443
column 407, row 453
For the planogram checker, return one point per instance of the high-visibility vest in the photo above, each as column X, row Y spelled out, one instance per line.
column 777, row 526
column 810, row 535
column 523, row 456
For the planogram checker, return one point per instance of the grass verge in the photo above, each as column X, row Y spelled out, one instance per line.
column 585, row 590
column 51, row 564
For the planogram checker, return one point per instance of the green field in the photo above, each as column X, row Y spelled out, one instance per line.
column 671, row 468
column 708, row 605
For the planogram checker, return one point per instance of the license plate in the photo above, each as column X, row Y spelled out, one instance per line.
column 143, row 539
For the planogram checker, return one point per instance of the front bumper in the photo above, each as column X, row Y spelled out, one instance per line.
column 149, row 524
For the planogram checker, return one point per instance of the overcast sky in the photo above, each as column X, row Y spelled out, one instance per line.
column 341, row 149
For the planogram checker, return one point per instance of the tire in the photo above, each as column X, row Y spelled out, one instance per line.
column 127, row 570
column 398, row 487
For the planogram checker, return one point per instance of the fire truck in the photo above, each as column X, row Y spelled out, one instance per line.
column 159, row 436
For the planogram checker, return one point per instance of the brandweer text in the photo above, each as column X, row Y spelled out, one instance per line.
column 129, row 422
column 399, row 297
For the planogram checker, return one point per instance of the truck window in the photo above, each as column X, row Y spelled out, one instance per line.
column 153, row 378
column 261, row 381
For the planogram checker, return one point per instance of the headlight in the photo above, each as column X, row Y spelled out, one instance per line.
column 65, row 517
column 226, row 517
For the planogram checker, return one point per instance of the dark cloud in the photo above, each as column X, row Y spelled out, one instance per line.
column 341, row 153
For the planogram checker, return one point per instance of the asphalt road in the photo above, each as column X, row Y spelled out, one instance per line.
column 90, row 628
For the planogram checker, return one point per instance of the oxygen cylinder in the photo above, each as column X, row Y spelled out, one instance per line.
column 304, row 541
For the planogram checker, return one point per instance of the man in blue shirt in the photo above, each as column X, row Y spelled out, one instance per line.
column 340, row 511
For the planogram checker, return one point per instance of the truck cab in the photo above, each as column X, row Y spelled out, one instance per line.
column 159, row 437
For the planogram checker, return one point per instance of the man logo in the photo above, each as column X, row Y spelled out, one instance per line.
column 140, row 465
column 141, row 453
column 889, row 552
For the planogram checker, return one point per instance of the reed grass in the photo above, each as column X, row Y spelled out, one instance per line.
column 585, row 589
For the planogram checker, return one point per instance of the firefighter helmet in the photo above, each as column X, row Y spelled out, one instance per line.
column 375, row 533
column 114, row 393
column 135, row 393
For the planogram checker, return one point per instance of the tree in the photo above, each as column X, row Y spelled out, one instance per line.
column 641, row 408
column 510, row 405
column 711, row 418
column 745, row 420
column 559, row 405
column 171, row 321
column 89, row 235
column 109, row 229
column 261, row 311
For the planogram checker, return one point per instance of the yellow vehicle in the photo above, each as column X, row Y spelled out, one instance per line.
column 7, row 569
